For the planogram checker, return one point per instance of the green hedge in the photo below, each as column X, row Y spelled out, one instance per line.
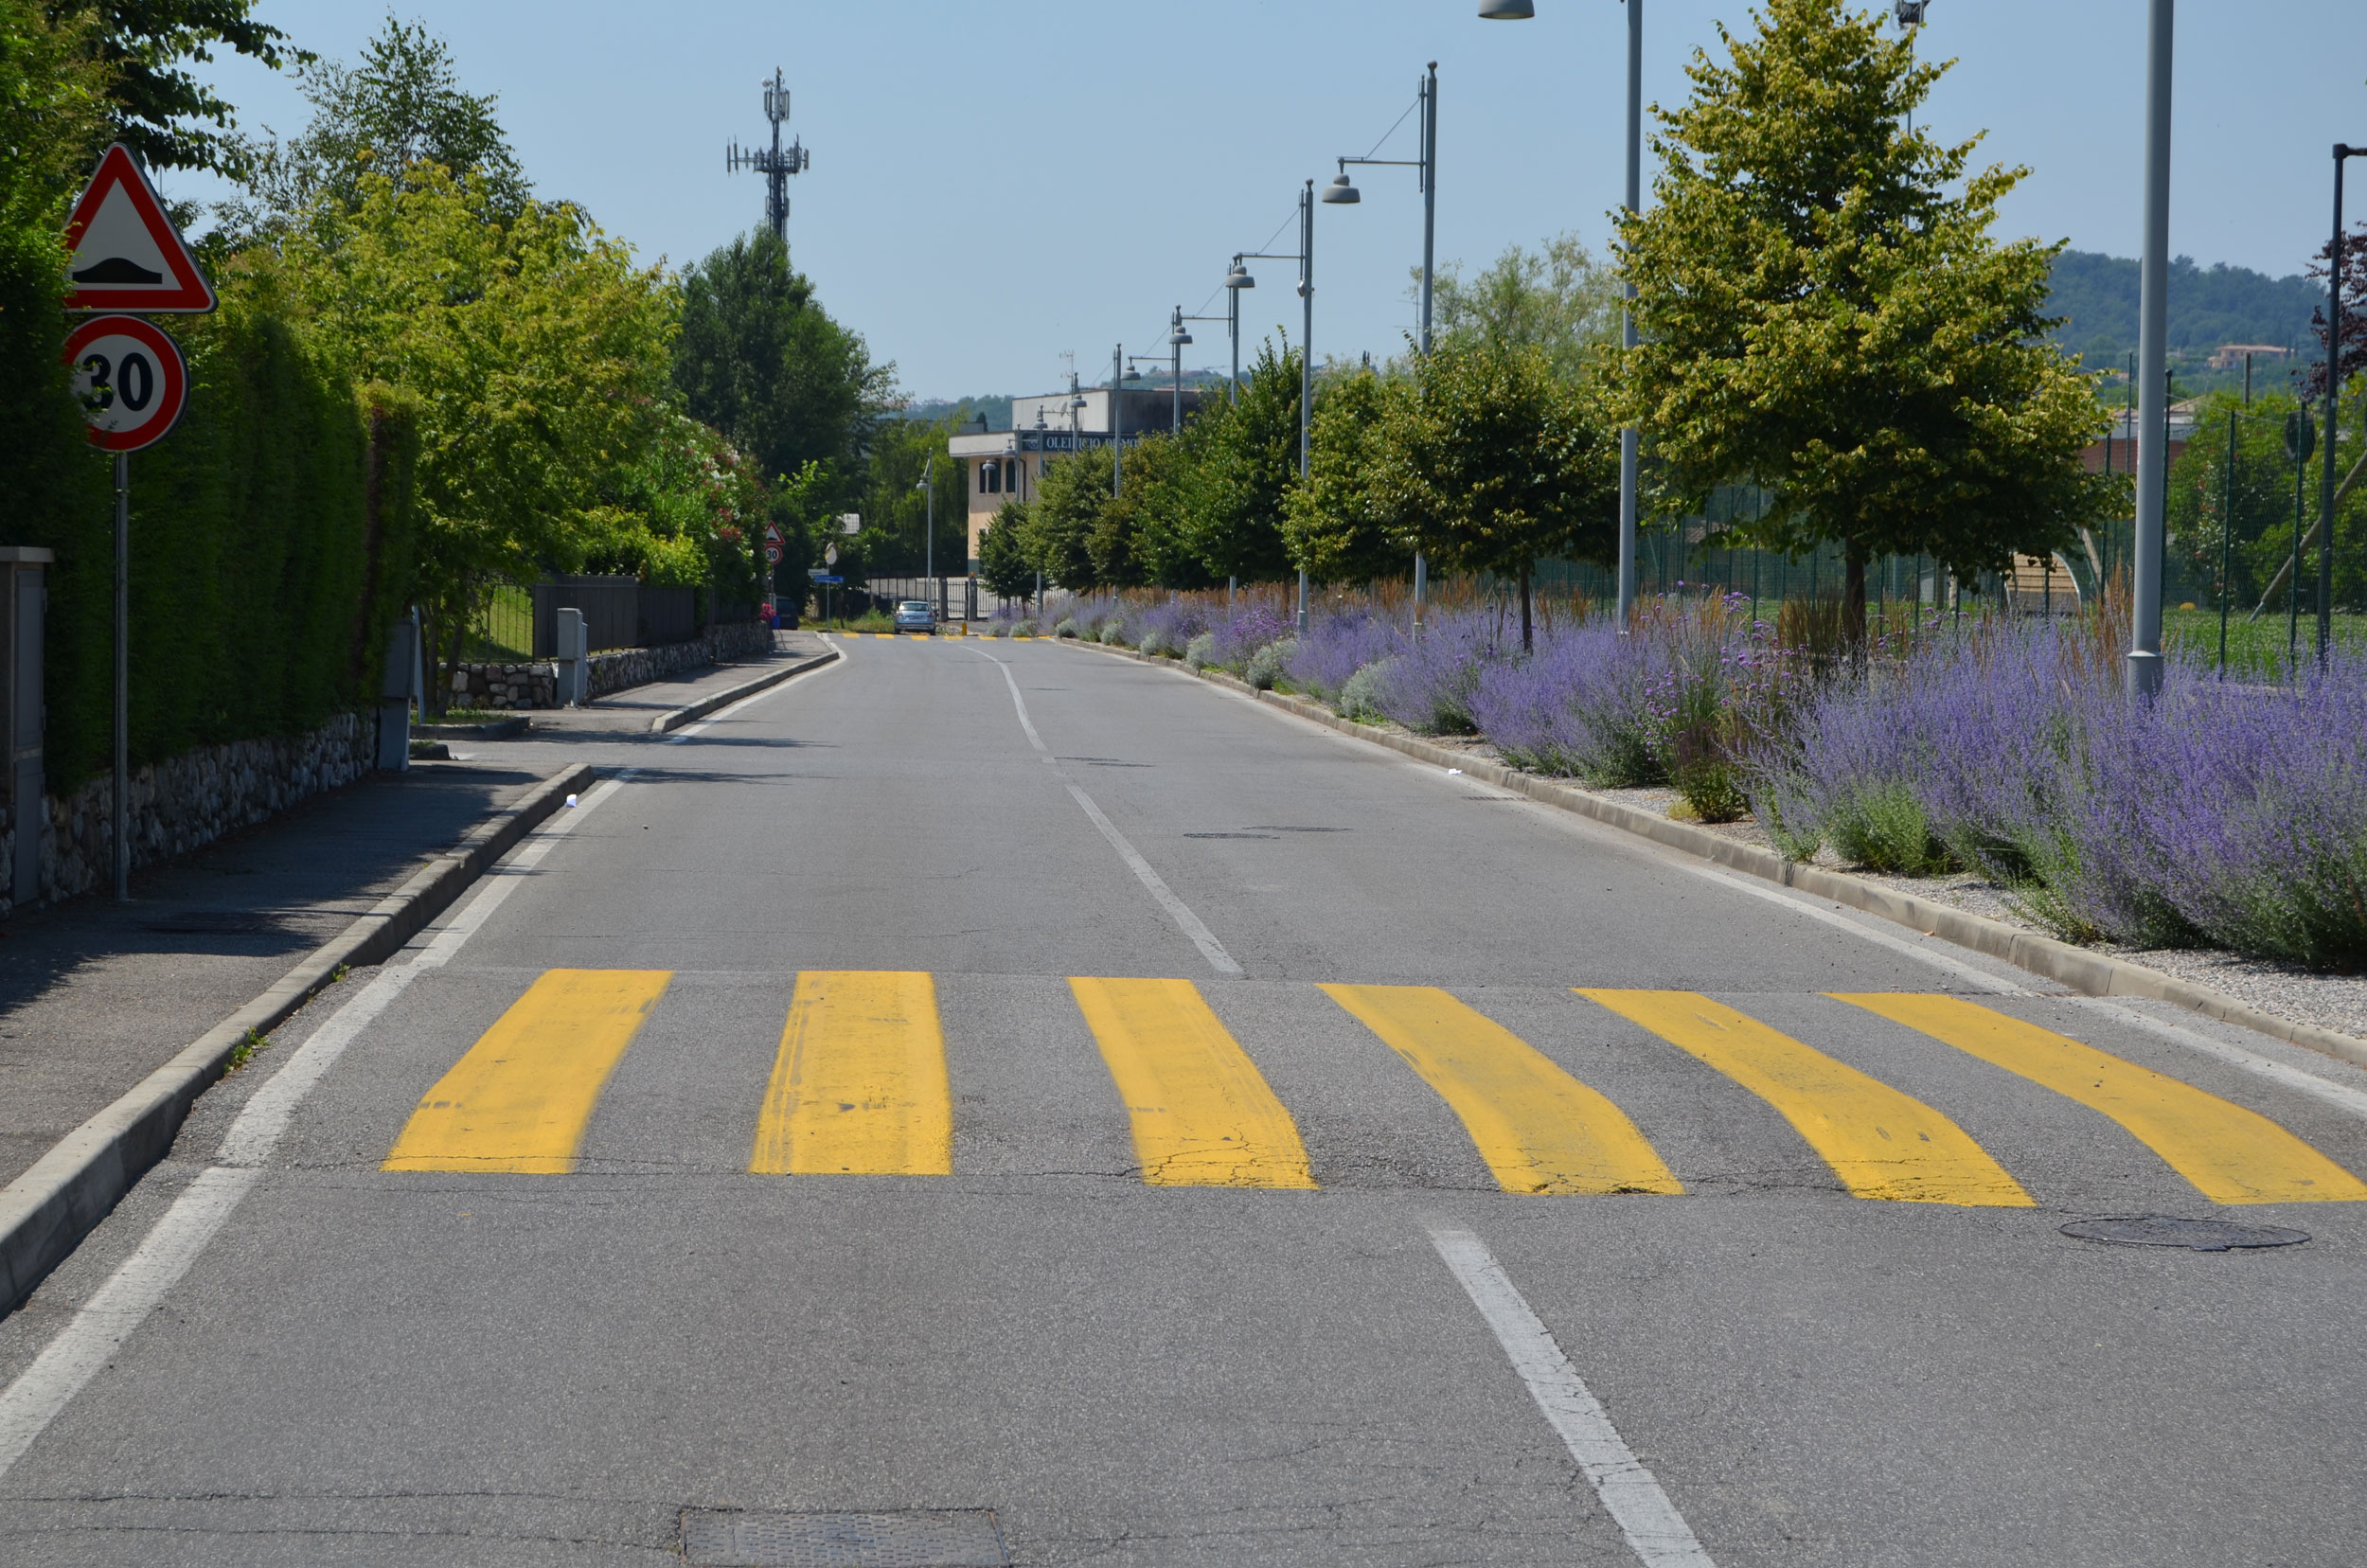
column 272, row 537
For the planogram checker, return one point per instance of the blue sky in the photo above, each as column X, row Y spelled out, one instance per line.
column 994, row 184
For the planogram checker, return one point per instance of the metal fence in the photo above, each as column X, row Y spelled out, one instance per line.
column 518, row 622
column 667, row 615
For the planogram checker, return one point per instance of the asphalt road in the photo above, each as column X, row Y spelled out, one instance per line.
column 1029, row 1106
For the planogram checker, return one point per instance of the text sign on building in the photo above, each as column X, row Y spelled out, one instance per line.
column 130, row 380
column 126, row 255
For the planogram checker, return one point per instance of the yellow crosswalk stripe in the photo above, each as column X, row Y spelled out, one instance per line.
column 1880, row 1143
column 520, row 1098
column 2234, row 1155
column 1538, row 1129
column 1203, row 1113
column 860, row 1085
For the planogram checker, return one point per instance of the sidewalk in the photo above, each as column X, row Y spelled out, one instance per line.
column 95, row 996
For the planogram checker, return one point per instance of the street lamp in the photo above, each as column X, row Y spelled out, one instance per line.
column 1306, row 259
column 1178, row 335
column 2153, row 335
column 2334, row 383
column 1519, row 10
column 1235, row 281
column 1343, row 193
column 929, row 558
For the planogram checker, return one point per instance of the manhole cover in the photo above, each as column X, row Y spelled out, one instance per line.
column 1277, row 827
column 1230, row 835
column 948, row 1537
column 2158, row 1230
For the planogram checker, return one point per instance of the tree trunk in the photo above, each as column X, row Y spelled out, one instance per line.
column 1853, row 602
column 1527, row 639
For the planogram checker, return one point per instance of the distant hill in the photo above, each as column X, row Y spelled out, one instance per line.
column 2208, row 306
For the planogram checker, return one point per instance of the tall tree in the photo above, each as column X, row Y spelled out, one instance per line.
column 402, row 105
column 1821, row 315
column 1234, row 524
column 1334, row 525
column 1557, row 297
column 1004, row 564
column 762, row 361
column 1496, row 463
column 160, row 109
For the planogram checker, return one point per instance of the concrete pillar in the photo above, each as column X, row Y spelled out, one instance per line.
column 394, row 692
column 574, row 651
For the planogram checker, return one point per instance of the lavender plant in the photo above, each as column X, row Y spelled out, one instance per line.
column 1336, row 647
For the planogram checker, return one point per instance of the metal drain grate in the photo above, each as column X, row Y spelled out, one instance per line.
column 948, row 1537
column 2160, row 1230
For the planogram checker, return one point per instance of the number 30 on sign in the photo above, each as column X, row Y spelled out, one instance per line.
column 130, row 380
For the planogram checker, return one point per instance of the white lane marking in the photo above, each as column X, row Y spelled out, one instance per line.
column 1979, row 979
column 1633, row 1496
column 1178, row 911
column 260, row 1123
column 92, row 1336
column 88, row 1342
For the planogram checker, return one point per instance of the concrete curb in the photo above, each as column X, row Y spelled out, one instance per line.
column 705, row 706
column 46, row 1212
column 2095, row 973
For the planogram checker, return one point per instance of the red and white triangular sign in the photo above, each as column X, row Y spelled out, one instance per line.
column 127, row 255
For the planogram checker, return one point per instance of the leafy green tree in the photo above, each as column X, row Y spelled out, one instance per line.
column 1058, row 530
column 1233, row 523
column 158, row 108
column 536, row 348
column 760, row 360
column 1496, row 463
column 1004, row 565
column 1558, row 298
column 1333, row 525
column 1821, row 315
column 799, row 506
column 402, row 105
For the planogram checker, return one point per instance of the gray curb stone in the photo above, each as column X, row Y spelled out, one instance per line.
column 700, row 709
column 46, row 1212
column 2094, row 973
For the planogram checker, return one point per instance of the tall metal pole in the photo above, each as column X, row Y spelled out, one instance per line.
column 1307, row 353
column 2334, row 384
column 2226, row 536
column 1117, row 428
column 2153, row 466
column 123, row 676
column 1430, row 251
column 1232, row 331
column 1627, row 320
column 1175, row 374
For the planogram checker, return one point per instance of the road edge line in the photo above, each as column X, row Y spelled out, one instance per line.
column 62, row 1197
column 675, row 719
column 2090, row 974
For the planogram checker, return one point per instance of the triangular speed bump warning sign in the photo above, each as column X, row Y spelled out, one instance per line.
column 127, row 255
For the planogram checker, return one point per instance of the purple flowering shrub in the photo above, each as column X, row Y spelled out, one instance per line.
column 1242, row 634
column 1168, row 630
column 1575, row 706
column 1429, row 687
column 1336, row 647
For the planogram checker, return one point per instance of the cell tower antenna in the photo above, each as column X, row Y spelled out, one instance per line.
column 777, row 165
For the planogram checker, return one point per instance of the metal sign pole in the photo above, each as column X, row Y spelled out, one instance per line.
column 123, row 673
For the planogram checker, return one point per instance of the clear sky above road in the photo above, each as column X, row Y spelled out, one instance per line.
column 993, row 186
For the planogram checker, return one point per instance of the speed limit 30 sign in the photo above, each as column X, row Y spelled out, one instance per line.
column 130, row 380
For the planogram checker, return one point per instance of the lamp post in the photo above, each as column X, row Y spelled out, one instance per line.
column 1235, row 281
column 1306, row 259
column 1521, row 11
column 1345, row 194
column 2334, row 384
column 929, row 558
column 1176, row 337
column 2153, row 275
column 1117, row 430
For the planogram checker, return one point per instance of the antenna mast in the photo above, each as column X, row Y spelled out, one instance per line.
column 775, row 166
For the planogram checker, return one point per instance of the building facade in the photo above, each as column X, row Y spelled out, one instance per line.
column 1008, row 464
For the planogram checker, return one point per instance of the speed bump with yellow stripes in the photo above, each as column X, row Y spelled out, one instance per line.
column 859, row 1086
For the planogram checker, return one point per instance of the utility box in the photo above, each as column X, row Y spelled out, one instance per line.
column 25, row 611
column 572, row 637
column 396, row 689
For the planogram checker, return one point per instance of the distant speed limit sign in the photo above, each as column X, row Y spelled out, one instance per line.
column 130, row 379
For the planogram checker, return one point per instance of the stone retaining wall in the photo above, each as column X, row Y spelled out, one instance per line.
column 188, row 801
column 536, row 685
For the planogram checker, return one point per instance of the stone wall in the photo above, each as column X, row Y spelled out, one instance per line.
column 188, row 801
column 536, row 685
